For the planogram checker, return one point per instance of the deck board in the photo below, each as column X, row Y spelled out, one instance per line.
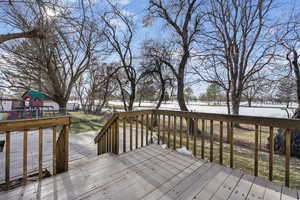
column 150, row 173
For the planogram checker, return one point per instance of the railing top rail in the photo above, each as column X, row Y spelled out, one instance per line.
column 120, row 115
column 106, row 126
column 27, row 124
column 293, row 124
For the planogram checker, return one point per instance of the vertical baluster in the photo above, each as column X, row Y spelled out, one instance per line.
column 221, row 143
column 98, row 148
column 169, row 130
column 117, row 136
column 142, row 131
column 147, row 129
column 287, row 157
column 180, row 133
column 151, row 129
column 130, row 139
column 25, row 144
column 164, row 128
column 104, row 142
column 112, row 138
column 211, row 157
column 158, row 128
column 195, row 136
column 256, row 151
column 202, row 139
column 231, row 143
column 40, row 153
column 107, row 140
column 271, row 156
column 7, row 158
column 124, row 135
column 137, row 132
column 174, row 134
column 54, row 149
column 188, row 121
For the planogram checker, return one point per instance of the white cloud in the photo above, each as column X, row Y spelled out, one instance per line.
column 121, row 2
column 124, row 2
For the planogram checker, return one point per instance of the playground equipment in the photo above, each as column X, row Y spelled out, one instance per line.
column 30, row 106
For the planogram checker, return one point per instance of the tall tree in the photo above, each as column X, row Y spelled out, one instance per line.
column 183, row 17
column 289, row 39
column 235, row 45
column 119, row 33
column 153, row 66
column 54, row 64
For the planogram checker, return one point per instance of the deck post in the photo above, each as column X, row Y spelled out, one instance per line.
column 62, row 147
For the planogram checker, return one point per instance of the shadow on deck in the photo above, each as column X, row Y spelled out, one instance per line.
column 150, row 172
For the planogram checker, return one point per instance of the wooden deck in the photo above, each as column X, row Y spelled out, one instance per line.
column 150, row 173
column 81, row 146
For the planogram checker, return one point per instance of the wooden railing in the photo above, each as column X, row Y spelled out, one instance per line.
column 22, row 128
column 205, row 134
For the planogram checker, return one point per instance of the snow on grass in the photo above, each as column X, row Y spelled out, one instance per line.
column 265, row 110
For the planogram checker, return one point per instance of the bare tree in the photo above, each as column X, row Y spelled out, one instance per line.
column 183, row 17
column 154, row 66
column 289, row 39
column 255, row 87
column 235, row 45
column 54, row 64
column 29, row 27
column 95, row 87
column 119, row 32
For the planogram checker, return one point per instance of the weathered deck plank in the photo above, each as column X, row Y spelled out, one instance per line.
column 150, row 173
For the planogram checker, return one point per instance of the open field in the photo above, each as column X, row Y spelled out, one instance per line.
column 266, row 110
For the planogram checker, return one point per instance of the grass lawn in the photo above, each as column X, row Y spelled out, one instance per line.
column 82, row 122
column 80, row 127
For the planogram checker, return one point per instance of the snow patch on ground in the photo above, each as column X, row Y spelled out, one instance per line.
column 268, row 110
column 184, row 151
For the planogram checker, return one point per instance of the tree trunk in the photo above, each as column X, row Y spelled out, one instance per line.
column 140, row 100
column 235, row 101
column 249, row 102
column 131, row 97
column 180, row 93
column 62, row 106
column 162, row 96
column 228, row 102
column 297, row 75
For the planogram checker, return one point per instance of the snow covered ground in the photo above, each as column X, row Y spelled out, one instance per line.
column 266, row 110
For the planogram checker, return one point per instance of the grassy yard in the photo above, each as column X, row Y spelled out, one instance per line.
column 82, row 122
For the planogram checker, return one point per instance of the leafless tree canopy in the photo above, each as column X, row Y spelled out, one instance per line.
column 184, row 19
column 96, row 51
column 235, row 45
